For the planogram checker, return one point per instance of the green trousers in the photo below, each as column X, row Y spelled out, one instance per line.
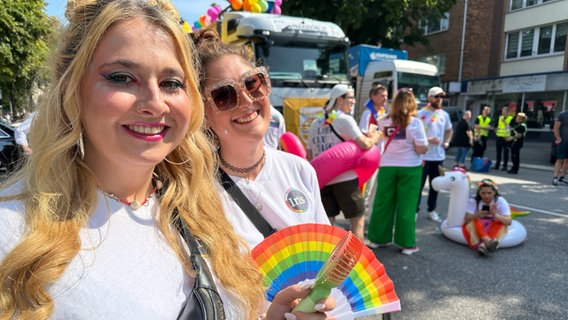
column 395, row 206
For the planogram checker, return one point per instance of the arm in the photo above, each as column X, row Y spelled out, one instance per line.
column 556, row 131
column 365, row 142
column 447, row 137
column 470, row 136
column 420, row 149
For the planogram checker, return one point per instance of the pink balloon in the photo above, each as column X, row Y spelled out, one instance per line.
column 277, row 9
column 278, row 2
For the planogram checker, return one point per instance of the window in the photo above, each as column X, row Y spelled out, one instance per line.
column 435, row 24
column 560, row 37
column 538, row 41
column 545, row 40
column 519, row 4
column 512, row 45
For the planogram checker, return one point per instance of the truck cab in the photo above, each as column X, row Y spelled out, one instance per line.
column 305, row 57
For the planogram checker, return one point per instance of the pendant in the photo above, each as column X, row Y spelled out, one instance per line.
column 258, row 206
column 135, row 205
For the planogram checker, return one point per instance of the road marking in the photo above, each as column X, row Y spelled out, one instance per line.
column 540, row 211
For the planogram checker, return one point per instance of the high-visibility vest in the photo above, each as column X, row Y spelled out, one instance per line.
column 503, row 127
column 483, row 123
column 514, row 133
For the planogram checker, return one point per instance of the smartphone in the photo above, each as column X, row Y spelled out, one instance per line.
column 485, row 207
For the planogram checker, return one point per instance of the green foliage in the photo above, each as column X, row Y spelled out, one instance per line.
column 24, row 33
column 391, row 22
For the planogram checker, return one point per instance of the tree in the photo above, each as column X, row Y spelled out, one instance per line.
column 390, row 22
column 24, row 32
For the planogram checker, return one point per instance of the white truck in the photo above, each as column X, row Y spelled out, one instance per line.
column 305, row 57
column 370, row 65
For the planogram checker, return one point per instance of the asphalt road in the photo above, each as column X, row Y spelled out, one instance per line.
column 446, row 280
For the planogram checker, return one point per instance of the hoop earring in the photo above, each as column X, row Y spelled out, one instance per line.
column 81, row 146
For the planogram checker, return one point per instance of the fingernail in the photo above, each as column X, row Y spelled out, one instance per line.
column 289, row 316
column 319, row 306
column 307, row 285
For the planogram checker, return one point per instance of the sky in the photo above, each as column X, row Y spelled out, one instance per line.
column 190, row 10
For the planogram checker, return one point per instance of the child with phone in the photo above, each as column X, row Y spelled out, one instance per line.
column 486, row 219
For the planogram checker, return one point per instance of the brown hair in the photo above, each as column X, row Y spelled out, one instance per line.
column 403, row 108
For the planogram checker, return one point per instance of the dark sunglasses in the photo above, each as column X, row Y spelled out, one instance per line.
column 439, row 96
column 225, row 95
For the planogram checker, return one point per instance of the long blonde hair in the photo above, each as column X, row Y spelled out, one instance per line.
column 59, row 191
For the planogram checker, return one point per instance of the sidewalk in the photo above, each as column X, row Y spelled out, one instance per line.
column 535, row 154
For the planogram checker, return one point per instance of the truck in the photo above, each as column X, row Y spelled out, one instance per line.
column 304, row 57
column 369, row 65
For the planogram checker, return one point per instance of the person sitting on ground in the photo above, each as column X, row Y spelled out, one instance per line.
column 486, row 219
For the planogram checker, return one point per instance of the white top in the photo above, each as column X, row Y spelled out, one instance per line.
column 22, row 131
column 286, row 187
column 125, row 269
column 501, row 206
column 436, row 122
column 321, row 138
column 400, row 151
column 275, row 130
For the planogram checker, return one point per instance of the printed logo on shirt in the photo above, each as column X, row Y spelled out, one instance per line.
column 274, row 121
column 296, row 200
column 400, row 135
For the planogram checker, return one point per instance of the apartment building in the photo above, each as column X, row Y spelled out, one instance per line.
column 505, row 53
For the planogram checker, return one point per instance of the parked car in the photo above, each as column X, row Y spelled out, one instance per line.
column 10, row 152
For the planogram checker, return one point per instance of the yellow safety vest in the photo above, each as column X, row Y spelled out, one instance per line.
column 502, row 127
column 483, row 123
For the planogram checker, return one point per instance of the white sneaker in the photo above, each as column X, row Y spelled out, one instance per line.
column 409, row 251
column 434, row 216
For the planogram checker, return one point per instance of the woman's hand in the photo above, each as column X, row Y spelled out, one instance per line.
column 286, row 299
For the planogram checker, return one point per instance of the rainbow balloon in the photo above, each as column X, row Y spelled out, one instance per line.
column 297, row 253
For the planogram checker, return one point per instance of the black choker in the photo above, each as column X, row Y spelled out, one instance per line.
column 241, row 170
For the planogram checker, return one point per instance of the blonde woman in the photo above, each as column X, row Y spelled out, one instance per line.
column 87, row 227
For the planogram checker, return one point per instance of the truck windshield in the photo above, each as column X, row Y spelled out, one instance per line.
column 420, row 84
column 308, row 63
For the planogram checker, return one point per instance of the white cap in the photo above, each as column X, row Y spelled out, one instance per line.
column 434, row 91
column 337, row 91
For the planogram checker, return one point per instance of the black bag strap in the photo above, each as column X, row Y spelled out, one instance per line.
column 206, row 303
column 333, row 130
column 248, row 208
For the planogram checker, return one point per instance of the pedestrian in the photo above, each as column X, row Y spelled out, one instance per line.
column 89, row 225
column 462, row 139
column 439, row 131
column 503, row 133
column 282, row 189
column 275, row 130
column 399, row 177
column 481, row 127
column 376, row 109
column 560, row 130
column 518, row 133
column 22, row 131
column 486, row 219
column 342, row 193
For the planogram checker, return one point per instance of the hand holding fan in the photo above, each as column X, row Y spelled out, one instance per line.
column 298, row 254
column 334, row 271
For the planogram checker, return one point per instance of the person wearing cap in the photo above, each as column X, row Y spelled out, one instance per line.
column 335, row 126
column 518, row 133
column 439, row 131
column 486, row 218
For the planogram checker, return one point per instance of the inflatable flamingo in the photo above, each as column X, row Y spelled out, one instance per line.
column 457, row 182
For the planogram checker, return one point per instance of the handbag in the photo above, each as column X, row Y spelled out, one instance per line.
column 204, row 302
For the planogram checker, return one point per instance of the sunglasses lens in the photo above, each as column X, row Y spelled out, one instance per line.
column 225, row 97
column 253, row 85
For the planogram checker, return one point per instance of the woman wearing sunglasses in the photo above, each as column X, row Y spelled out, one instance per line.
column 282, row 187
column 486, row 218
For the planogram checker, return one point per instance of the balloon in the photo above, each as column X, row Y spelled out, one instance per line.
column 278, row 2
column 247, row 5
column 185, row 26
column 211, row 12
column 236, row 4
column 263, row 5
column 270, row 6
column 207, row 21
column 202, row 20
column 277, row 9
column 197, row 25
column 256, row 8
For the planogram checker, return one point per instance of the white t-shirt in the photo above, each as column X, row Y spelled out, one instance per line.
column 400, row 151
column 321, row 138
column 286, row 187
column 501, row 205
column 124, row 270
column 275, row 130
column 436, row 122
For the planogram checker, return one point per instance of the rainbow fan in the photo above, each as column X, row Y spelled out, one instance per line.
column 297, row 253
column 517, row 213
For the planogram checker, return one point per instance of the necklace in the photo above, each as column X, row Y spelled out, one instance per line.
column 135, row 204
column 256, row 200
column 241, row 170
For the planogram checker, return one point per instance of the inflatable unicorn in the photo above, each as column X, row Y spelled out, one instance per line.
column 457, row 182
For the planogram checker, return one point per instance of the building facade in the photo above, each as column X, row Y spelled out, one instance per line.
column 505, row 53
